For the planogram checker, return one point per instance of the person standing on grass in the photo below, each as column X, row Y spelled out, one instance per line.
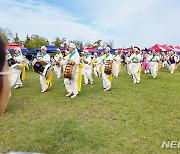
column 107, row 78
column 87, row 68
column 4, row 82
column 128, row 63
column 116, row 63
column 136, row 65
column 153, row 63
column 45, row 58
column 172, row 59
column 19, row 58
column 145, row 63
column 96, row 62
column 57, row 68
column 72, row 59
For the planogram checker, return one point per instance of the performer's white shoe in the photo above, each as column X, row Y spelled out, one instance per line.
column 69, row 94
column 17, row 86
column 73, row 96
column 43, row 91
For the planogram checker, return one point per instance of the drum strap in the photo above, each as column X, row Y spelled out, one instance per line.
column 154, row 58
column 105, row 57
column 70, row 56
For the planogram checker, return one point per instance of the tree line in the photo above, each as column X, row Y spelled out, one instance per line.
column 35, row 41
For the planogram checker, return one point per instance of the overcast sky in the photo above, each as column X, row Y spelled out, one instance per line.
column 127, row 22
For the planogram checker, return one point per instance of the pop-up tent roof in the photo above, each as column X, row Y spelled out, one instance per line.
column 156, row 47
column 174, row 48
column 178, row 47
column 166, row 48
column 50, row 48
column 10, row 47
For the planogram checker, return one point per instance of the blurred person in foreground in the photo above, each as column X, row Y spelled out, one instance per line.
column 4, row 82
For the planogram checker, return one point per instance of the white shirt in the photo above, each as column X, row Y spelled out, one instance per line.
column 88, row 60
column 136, row 58
column 45, row 58
column 116, row 59
column 19, row 58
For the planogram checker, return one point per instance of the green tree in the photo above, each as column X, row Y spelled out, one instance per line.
column 109, row 43
column 36, row 41
column 26, row 41
column 17, row 40
column 59, row 43
column 97, row 43
column 88, row 44
column 78, row 44
column 6, row 35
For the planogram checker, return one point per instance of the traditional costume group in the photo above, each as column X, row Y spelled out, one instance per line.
column 77, row 67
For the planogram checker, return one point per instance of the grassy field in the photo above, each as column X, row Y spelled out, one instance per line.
column 128, row 119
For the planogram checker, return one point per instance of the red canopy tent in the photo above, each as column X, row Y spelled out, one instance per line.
column 11, row 46
column 174, row 48
column 91, row 49
column 157, row 47
column 166, row 47
column 178, row 47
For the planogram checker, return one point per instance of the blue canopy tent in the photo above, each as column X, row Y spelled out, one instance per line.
column 50, row 49
column 23, row 50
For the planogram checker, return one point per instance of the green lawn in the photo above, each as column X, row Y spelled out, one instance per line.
column 128, row 119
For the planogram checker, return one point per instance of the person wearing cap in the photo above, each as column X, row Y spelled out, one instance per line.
column 136, row 65
column 153, row 63
column 57, row 67
column 74, row 59
column 96, row 63
column 145, row 63
column 19, row 58
column 87, row 68
column 66, row 55
column 45, row 58
column 128, row 63
column 116, row 63
column 171, row 60
column 107, row 79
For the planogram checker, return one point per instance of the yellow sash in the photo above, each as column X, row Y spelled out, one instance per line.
column 49, row 79
column 139, row 71
column 159, row 65
column 80, row 77
column 23, row 70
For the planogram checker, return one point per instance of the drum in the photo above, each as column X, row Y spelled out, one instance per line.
column 41, row 68
column 108, row 67
column 11, row 62
column 69, row 71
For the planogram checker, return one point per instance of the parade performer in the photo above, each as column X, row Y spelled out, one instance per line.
column 87, row 68
column 153, row 63
column 128, row 63
column 136, row 66
column 107, row 63
column 172, row 59
column 57, row 67
column 116, row 63
column 20, row 64
column 145, row 63
column 45, row 59
column 71, row 72
column 96, row 62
